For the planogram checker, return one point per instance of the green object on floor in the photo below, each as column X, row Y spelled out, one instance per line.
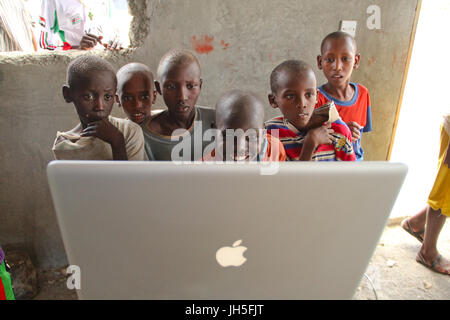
column 5, row 278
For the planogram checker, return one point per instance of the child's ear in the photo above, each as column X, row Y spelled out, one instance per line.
column 66, row 93
column 201, row 82
column 357, row 59
column 157, row 87
column 118, row 100
column 154, row 96
column 319, row 62
column 272, row 100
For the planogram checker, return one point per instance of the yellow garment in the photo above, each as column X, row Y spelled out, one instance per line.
column 439, row 197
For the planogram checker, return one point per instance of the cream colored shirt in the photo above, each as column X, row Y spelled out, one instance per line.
column 75, row 147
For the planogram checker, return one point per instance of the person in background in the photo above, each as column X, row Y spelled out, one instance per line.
column 184, row 122
column 15, row 27
column 72, row 24
column 135, row 91
column 427, row 224
column 338, row 58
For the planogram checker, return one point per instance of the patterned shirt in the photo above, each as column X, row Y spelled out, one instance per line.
column 293, row 140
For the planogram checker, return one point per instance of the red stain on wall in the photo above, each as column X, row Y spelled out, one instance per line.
column 370, row 60
column 203, row 45
column 224, row 44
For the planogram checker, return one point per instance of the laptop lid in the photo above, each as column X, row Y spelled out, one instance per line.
column 161, row 230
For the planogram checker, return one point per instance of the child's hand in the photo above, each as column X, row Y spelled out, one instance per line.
column 355, row 128
column 113, row 45
column 105, row 131
column 320, row 135
column 314, row 138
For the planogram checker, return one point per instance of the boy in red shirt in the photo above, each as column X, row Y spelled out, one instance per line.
column 337, row 60
column 240, row 119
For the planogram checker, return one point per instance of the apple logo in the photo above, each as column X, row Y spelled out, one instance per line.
column 231, row 256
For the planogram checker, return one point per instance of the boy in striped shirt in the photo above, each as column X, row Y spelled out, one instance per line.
column 294, row 92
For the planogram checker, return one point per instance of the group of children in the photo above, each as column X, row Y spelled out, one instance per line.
column 93, row 87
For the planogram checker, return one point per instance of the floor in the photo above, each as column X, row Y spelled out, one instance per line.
column 397, row 276
column 393, row 272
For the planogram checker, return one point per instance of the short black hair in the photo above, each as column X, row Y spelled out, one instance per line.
column 292, row 66
column 175, row 57
column 236, row 103
column 338, row 35
column 133, row 67
column 79, row 67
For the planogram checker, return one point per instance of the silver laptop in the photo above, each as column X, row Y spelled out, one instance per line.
column 162, row 230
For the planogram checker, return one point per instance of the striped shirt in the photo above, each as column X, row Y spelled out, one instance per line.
column 293, row 139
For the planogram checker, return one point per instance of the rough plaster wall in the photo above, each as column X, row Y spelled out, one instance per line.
column 261, row 34
column 249, row 38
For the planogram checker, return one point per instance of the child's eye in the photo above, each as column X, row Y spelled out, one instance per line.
column 329, row 60
column 88, row 97
column 108, row 97
column 170, row 86
column 145, row 97
column 126, row 98
column 190, row 86
column 290, row 96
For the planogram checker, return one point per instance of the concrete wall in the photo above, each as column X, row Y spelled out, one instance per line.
column 238, row 44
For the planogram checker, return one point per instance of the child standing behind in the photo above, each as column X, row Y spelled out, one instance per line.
column 135, row 91
column 91, row 87
column 184, row 123
column 338, row 59
column 240, row 118
column 294, row 91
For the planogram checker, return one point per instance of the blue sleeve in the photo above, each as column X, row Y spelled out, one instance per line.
column 368, row 126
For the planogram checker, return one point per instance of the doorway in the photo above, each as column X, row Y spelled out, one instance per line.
column 424, row 103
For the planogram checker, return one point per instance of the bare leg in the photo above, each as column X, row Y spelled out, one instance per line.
column 434, row 223
column 415, row 225
column 418, row 220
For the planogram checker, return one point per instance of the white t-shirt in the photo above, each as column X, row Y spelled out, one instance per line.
column 68, row 20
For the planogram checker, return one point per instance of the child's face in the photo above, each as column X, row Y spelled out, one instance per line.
column 338, row 60
column 136, row 96
column 180, row 88
column 93, row 96
column 296, row 97
column 246, row 146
